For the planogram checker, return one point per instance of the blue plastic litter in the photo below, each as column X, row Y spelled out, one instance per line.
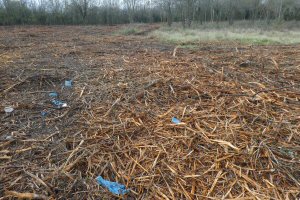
column 113, row 187
column 175, row 120
column 53, row 94
column 68, row 83
column 44, row 113
column 58, row 103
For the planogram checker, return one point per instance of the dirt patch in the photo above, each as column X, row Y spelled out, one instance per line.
column 239, row 134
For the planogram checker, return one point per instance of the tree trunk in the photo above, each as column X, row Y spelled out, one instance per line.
column 169, row 14
column 280, row 10
column 212, row 15
column 231, row 13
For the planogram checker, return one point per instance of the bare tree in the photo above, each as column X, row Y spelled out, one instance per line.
column 187, row 11
column 230, row 7
column 82, row 7
column 122, row 11
column 131, row 7
column 167, row 7
column 280, row 9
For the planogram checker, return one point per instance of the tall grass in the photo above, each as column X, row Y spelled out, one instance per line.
column 247, row 34
column 128, row 31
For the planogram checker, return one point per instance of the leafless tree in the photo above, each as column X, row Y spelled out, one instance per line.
column 124, row 11
column 82, row 7
column 131, row 7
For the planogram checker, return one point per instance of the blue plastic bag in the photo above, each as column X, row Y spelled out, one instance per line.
column 113, row 187
column 175, row 120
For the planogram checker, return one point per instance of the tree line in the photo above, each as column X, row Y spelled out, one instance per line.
column 109, row 12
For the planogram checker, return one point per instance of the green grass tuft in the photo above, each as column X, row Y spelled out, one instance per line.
column 128, row 31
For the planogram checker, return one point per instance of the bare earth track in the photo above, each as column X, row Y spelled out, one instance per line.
column 240, row 108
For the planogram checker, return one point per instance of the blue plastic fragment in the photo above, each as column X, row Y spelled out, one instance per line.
column 53, row 94
column 58, row 103
column 44, row 113
column 175, row 120
column 113, row 187
column 68, row 83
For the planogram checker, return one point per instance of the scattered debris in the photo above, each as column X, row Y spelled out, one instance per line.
column 53, row 94
column 8, row 109
column 44, row 113
column 175, row 120
column 113, row 187
column 175, row 51
column 26, row 195
column 240, row 140
column 58, row 103
column 9, row 137
column 247, row 63
column 68, row 83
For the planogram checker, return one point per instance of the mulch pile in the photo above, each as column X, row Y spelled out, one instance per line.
column 239, row 107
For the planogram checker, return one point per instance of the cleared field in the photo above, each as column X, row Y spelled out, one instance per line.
column 239, row 107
